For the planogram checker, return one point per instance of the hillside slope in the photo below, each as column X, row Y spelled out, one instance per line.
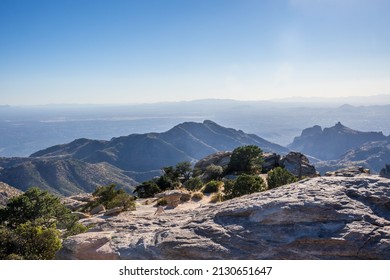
column 7, row 192
column 144, row 152
column 371, row 155
column 64, row 176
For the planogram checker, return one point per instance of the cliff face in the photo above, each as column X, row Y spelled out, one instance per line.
column 319, row 218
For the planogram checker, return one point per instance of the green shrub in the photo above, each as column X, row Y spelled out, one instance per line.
column 110, row 197
column 228, row 186
column 147, row 189
column 30, row 223
column 212, row 186
column 246, row 159
column 162, row 202
column 123, row 200
column 30, row 242
column 279, row 177
column 193, row 184
column 247, row 184
column 213, row 172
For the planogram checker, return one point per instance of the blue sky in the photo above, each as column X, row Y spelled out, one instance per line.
column 135, row 51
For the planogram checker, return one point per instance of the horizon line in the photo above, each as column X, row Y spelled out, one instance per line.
column 300, row 99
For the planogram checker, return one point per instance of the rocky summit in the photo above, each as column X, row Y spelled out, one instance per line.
column 318, row 218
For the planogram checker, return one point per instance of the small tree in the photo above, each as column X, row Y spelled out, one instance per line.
column 29, row 226
column 247, row 184
column 279, row 177
column 111, row 197
column 165, row 182
column 147, row 189
column 184, row 169
column 246, row 159
column 38, row 207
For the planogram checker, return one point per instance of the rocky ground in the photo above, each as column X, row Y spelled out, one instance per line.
column 332, row 217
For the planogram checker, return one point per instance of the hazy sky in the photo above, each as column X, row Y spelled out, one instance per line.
column 126, row 51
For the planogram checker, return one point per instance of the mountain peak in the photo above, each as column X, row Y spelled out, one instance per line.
column 332, row 142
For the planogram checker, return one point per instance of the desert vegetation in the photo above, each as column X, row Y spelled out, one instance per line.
column 32, row 225
column 240, row 177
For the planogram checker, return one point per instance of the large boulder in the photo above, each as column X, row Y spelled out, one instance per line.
column 173, row 197
column 317, row 218
column 298, row 164
column 220, row 159
column 270, row 161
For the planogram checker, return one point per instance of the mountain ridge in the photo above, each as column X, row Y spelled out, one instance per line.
column 331, row 143
column 83, row 164
column 188, row 141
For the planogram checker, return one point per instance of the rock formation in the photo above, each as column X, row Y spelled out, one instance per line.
column 172, row 197
column 351, row 171
column 220, row 159
column 298, row 165
column 271, row 161
column 318, row 218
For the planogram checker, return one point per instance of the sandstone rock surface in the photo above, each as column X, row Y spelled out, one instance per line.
column 318, row 218
column 98, row 209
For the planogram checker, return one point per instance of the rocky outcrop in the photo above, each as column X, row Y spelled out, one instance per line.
column 270, row 161
column 76, row 202
column 351, row 171
column 172, row 197
column 7, row 192
column 298, row 165
column 318, row 218
column 220, row 159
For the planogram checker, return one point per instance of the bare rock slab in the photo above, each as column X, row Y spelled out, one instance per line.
column 318, row 218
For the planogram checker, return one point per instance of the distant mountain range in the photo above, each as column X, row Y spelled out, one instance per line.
column 188, row 141
column 25, row 130
column 331, row 143
column 84, row 164
column 339, row 147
